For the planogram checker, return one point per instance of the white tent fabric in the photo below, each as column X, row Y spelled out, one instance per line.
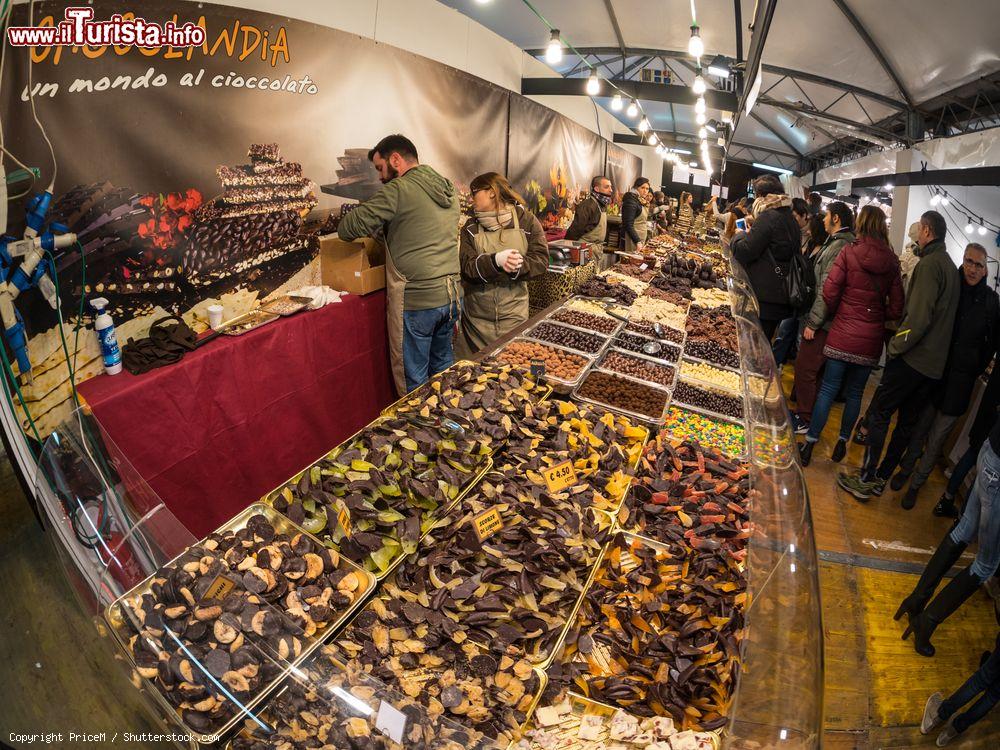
column 932, row 47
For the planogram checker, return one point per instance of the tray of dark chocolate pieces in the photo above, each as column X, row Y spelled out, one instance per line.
column 635, row 645
column 427, row 656
column 288, row 304
column 652, row 372
column 623, row 395
column 571, row 338
column 688, row 492
column 247, row 322
column 709, row 400
column 219, row 626
column 633, row 343
column 604, row 325
column 377, row 494
column 584, row 724
column 327, row 705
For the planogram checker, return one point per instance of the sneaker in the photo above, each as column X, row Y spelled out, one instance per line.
column 839, row 451
column 860, row 436
column 855, row 485
column 878, row 486
column 899, row 481
column 931, row 720
column 910, row 498
column 800, row 425
column 947, row 735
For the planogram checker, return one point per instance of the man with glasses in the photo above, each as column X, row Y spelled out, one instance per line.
column 973, row 345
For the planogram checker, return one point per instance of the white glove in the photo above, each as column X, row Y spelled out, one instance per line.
column 509, row 260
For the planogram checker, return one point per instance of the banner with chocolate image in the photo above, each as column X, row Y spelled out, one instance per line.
column 623, row 168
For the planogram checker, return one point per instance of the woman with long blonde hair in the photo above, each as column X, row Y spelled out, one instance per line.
column 501, row 247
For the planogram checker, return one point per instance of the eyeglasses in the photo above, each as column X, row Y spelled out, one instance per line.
column 479, row 190
column 974, row 263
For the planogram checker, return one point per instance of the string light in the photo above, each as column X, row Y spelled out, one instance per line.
column 702, row 133
column 982, row 229
column 651, row 140
column 698, row 87
column 700, row 118
column 616, row 103
column 935, row 199
column 633, row 109
column 696, row 47
column 553, row 52
column 969, row 229
column 593, row 84
column 699, row 106
column 644, row 125
column 944, row 200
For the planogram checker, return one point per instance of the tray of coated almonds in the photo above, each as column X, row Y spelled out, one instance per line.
column 561, row 366
column 624, row 395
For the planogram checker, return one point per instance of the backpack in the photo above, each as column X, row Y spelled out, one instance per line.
column 800, row 281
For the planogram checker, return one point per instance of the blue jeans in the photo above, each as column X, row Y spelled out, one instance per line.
column 836, row 373
column 427, row 336
column 985, row 680
column 981, row 516
column 786, row 338
column 965, row 464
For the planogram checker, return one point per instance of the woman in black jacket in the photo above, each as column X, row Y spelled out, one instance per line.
column 766, row 250
column 635, row 216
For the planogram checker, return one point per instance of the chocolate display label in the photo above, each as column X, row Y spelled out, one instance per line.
column 390, row 721
column 220, row 587
column 537, row 369
column 487, row 524
column 560, row 476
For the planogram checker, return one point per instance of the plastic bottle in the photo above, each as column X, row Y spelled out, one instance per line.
column 105, row 328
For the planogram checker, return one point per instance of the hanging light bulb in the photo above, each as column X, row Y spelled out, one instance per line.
column 698, row 87
column 617, row 103
column 702, row 133
column 968, row 225
column 700, row 118
column 982, row 228
column 593, row 84
column 553, row 52
column 652, row 139
column 644, row 125
column 944, row 200
column 699, row 106
column 935, row 199
column 696, row 47
column 659, row 149
column 633, row 109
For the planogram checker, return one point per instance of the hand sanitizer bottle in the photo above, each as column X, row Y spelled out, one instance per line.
column 105, row 327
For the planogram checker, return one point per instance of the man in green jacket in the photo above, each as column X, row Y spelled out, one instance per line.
column 416, row 212
column 916, row 358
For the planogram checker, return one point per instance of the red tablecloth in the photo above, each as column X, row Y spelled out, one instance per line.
column 234, row 419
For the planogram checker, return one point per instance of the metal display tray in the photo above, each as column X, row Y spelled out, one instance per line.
column 650, row 357
column 435, row 517
column 706, row 384
column 258, row 318
column 288, row 304
column 673, row 366
column 703, row 410
column 527, row 334
column 745, row 455
column 551, row 379
column 550, row 318
column 116, row 620
column 644, row 419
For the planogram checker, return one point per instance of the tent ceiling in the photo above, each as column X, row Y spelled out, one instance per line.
column 814, row 37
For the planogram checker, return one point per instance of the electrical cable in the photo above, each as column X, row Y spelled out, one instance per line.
column 31, row 98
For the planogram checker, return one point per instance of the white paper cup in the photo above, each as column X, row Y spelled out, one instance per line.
column 215, row 316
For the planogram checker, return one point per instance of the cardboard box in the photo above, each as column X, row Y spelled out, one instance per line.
column 357, row 267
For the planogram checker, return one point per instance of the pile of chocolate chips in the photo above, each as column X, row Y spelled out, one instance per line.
column 673, row 284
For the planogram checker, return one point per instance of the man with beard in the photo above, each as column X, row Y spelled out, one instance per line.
column 416, row 213
column 590, row 222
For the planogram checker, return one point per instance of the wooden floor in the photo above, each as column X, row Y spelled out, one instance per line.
column 57, row 676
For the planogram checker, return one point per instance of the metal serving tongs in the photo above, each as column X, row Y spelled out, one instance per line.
column 448, row 427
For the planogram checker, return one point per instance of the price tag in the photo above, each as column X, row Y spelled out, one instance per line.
column 487, row 524
column 560, row 476
column 391, row 722
column 537, row 369
column 644, row 266
column 220, row 587
column 343, row 517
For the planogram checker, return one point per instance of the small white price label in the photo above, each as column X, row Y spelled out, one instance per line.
column 390, row 721
column 644, row 266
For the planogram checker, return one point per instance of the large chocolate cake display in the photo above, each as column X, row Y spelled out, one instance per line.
column 257, row 218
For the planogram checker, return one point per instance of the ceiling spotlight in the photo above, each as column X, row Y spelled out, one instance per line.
column 969, row 229
column 712, row 126
column 703, row 133
column 694, row 164
column 719, row 67
column 696, row 47
column 698, row 87
column 699, row 106
column 652, row 139
column 482, row 2
column 617, row 103
column 553, row 52
column 644, row 125
column 700, row 118
column 633, row 108
column 887, row 186
column 593, row 84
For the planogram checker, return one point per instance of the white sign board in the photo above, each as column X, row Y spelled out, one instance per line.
column 701, row 177
column 844, row 186
column 681, row 174
column 391, row 722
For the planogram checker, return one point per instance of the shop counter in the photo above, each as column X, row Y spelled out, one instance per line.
column 235, row 418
